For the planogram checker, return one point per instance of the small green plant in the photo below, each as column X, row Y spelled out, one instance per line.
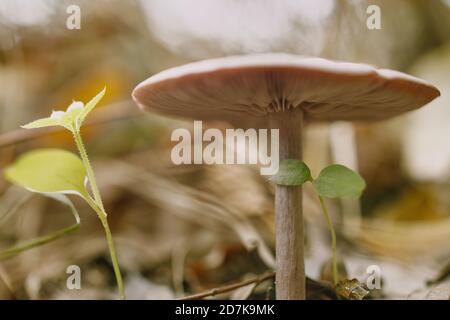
column 334, row 181
column 55, row 173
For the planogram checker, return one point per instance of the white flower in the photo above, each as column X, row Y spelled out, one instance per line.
column 70, row 119
column 72, row 112
column 75, row 105
column 57, row 115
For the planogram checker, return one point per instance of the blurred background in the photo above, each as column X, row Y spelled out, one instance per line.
column 184, row 230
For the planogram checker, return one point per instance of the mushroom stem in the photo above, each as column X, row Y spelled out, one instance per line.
column 290, row 267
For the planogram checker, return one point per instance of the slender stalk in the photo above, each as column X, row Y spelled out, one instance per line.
column 89, row 170
column 97, row 205
column 333, row 239
column 114, row 259
column 37, row 242
column 112, row 250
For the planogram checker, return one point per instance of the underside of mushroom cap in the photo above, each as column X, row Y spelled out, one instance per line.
column 251, row 87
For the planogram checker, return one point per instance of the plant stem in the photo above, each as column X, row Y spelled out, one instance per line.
column 333, row 239
column 114, row 259
column 112, row 250
column 37, row 242
column 89, row 170
column 97, row 205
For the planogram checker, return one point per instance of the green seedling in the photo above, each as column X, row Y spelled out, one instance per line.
column 56, row 173
column 334, row 181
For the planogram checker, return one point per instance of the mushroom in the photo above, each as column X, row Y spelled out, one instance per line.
column 283, row 91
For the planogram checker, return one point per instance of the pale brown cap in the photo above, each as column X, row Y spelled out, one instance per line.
column 250, row 87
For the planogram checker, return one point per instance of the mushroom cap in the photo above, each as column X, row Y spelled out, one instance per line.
column 250, row 87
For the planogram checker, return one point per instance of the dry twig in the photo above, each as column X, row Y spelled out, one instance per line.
column 230, row 287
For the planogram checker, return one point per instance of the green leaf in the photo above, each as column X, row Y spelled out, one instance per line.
column 42, row 123
column 337, row 181
column 90, row 106
column 292, row 173
column 49, row 170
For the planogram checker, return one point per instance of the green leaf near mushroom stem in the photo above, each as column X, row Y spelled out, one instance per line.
column 335, row 181
column 338, row 181
column 292, row 172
